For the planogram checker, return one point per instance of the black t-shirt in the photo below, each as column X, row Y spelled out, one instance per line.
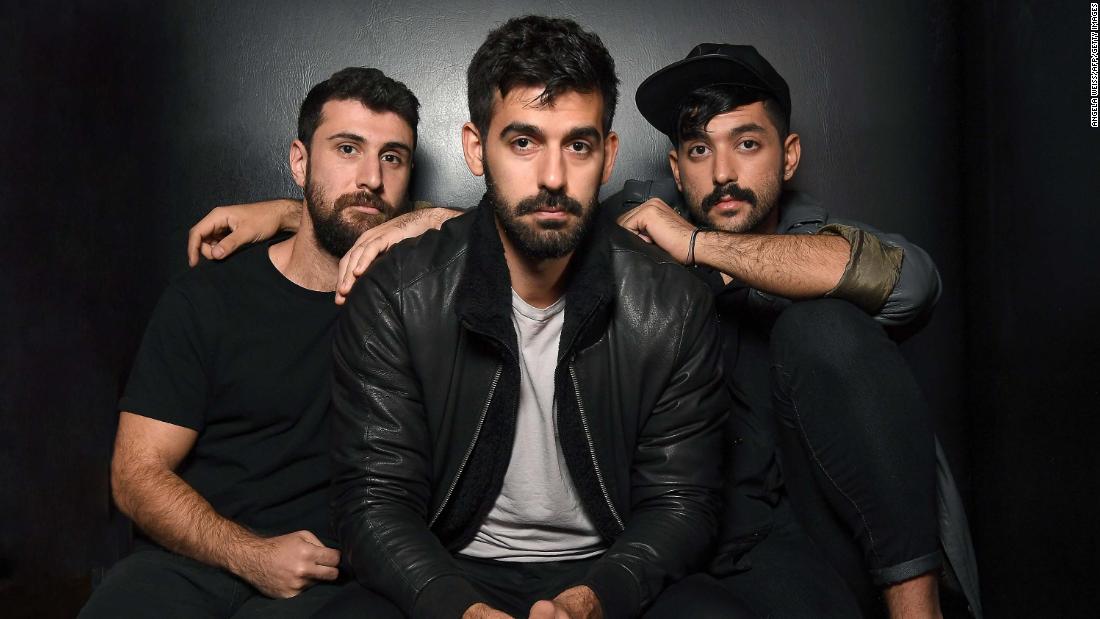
column 242, row 355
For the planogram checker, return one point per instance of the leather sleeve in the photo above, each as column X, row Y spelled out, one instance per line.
column 676, row 475
column 381, row 458
column 887, row 276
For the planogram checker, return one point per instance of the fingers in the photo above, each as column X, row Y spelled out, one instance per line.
column 328, row 556
column 543, row 609
column 322, row 572
column 309, row 537
column 203, row 235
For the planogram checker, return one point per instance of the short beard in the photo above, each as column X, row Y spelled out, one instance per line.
column 760, row 206
column 543, row 240
column 335, row 233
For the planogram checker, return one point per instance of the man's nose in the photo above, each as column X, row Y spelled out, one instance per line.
column 369, row 175
column 552, row 170
column 724, row 169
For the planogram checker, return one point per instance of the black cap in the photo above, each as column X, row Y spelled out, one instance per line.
column 709, row 64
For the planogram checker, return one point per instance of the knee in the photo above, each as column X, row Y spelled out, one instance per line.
column 827, row 335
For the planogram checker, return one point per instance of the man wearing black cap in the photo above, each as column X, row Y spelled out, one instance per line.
column 826, row 367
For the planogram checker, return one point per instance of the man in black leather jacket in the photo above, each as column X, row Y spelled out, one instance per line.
column 440, row 396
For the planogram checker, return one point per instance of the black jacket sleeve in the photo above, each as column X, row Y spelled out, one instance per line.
column 382, row 460
column 675, row 478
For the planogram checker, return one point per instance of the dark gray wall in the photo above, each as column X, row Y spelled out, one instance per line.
column 126, row 121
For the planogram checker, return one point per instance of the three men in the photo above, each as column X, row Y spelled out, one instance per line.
column 516, row 430
column 732, row 152
column 221, row 457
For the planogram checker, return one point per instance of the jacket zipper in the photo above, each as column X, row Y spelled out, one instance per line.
column 592, row 449
column 470, row 448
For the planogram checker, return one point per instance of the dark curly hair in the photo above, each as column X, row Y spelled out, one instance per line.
column 368, row 86
column 554, row 53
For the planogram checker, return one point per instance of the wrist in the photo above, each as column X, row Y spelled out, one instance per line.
column 243, row 553
column 291, row 214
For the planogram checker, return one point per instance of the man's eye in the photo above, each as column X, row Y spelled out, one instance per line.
column 347, row 149
column 750, row 145
column 579, row 147
column 522, row 143
column 698, row 149
column 391, row 158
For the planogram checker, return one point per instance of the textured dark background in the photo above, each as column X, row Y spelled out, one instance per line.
column 964, row 127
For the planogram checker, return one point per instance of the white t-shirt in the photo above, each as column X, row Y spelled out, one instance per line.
column 538, row 515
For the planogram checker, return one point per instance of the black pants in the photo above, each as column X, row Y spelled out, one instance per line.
column 157, row 584
column 514, row 587
column 788, row 576
column 842, row 385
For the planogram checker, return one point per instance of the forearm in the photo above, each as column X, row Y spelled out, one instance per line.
column 290, row 213
column 795, row 266
column 174, row 515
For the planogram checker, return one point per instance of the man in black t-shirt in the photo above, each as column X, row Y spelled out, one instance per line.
column 221, row 453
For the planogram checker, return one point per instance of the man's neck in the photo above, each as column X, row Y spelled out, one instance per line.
column 538, row 282
column 301, row 260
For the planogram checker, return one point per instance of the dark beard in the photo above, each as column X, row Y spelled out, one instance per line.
column 543, row 240
column 335, row 233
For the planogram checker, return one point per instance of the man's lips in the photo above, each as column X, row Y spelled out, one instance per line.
column 368, row 210
column 550, row 212
column 727, row 203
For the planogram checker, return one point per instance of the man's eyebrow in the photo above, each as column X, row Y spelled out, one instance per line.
column 588, row 132
column 348, row 136
column 522, row 128
column 397, row 146
column 747, row 128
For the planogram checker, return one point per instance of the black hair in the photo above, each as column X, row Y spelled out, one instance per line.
column 554, row 53
column 370, row 87
column 703, row 104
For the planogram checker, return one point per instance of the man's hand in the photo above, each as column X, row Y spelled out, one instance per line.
column 284, row 566
column 377, row 240
column 226, row 228
column 656, row 222
column 484, row 611
column 578, row 602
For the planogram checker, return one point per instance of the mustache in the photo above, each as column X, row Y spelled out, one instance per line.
column 546, row 199
column 362, row 198
column 732, row 190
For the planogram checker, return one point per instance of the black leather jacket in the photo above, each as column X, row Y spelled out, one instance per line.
column 425, row 393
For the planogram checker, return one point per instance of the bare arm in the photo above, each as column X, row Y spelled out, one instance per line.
column 147, row 489
column 226, row 228
column 792, row 266
column 796, row 266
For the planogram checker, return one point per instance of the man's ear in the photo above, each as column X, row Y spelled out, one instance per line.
column 610, row 152
column 299, row 162
column 792, row 154
column 674, row 163
column 473, row 149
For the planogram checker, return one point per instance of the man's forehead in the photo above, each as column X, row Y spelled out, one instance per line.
column 570, row 107
column 743, row 116
column 340, row 114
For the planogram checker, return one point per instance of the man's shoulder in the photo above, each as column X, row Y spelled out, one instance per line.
column 415, row 258
column 649, row 269
column 213, row 280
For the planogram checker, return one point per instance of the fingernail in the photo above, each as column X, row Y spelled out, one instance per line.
column 218, row 252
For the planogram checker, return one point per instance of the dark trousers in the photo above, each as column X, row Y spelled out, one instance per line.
column 789, row 577
column 514, row 587
column 841, row 384
column 157, row 584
